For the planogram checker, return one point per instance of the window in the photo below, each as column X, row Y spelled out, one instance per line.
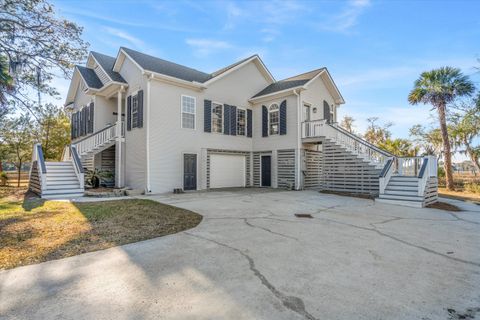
column 241, row 121
column 188, row 112
column 273, row 118
column 217, row 117
column 306, row 112
column 332, row 113
column 135, row 111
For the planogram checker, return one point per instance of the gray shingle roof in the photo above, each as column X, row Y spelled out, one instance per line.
column 107, row 63
column 233, row 65
column 281, row 85
column 90, row 77
column 168, row 68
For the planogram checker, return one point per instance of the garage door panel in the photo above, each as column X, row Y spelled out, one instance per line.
column 227, row 171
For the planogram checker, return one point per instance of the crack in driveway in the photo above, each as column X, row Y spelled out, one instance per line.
column 268, row 230
column 383, row 234
column 292, row 303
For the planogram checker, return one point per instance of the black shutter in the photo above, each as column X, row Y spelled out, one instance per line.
column 233, row 120
column 71, row 127
column 129, row 113
column 264, row 121
column 90, row 128
column 226, row 119
column 283, row 117
column 207, row 115
column 82, row 121
column 140, row 109
column 74, row 124
column 249, row 123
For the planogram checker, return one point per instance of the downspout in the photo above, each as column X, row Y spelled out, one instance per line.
column 147, row 131
column 299, row 145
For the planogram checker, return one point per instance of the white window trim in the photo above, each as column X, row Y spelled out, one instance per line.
column 194, row 113
column 246, row 121
column 269, row 111
column 223, row 117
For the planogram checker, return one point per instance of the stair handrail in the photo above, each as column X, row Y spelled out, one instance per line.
column 428, row 170
column 77, row 165
column 96, row 139
column 386, row 174
column 37, row 157
column 352, row 142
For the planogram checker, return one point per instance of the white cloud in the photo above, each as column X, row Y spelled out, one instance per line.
column 125, row 36
column 344, row 21
column 205, row 47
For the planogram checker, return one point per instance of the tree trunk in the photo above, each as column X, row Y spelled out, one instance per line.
column 473, row 156
column 19, row 173
column 446, row 147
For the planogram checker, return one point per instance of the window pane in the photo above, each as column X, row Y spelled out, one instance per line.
column 217, row 118
column 274, row 122
column 240, row 122
column 134, row 111
column 188, row 121
column 188, row 104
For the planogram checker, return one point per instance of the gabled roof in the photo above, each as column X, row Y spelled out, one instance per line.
column 107, row 62
column 301, row 81
column 90, row 77
column 165, row 67
column 233, row 65
column 280, row 86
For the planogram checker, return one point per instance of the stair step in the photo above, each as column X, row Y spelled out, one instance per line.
column 403, row 184
column 400, row 197
column 403, row 188
column 403, row 178
column 408, row 193
column 63, row 186
column 406, row 203
column 62, row 191
column 58, row 164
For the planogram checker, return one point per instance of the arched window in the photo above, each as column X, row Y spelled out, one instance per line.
column 273, row 118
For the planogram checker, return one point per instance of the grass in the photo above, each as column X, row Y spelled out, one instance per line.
column 35, row 230
column 459, row 195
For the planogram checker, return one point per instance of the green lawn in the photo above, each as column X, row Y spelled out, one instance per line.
column 33, row 230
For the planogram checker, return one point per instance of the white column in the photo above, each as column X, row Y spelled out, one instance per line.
column 118, row 166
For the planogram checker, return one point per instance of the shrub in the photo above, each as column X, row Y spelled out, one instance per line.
column 472, row 187
column 3, row 178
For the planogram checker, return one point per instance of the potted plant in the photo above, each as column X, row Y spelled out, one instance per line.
column 95, row 176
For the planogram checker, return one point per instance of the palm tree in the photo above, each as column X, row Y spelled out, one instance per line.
column 439, row 87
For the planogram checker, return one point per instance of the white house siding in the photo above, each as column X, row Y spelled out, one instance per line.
column 314, row 96
column 275, row 142
column 169, row 141
column 135, row 140
column 103, row 114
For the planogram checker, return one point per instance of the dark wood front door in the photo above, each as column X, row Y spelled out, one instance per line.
column 266, row 171
column 190, row 171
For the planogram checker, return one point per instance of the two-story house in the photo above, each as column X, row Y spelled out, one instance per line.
column 159, row 126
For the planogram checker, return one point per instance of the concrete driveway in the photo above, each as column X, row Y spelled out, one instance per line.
column 251, row 258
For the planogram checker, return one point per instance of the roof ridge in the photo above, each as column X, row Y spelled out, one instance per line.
column 304, row 73
column 154, row 57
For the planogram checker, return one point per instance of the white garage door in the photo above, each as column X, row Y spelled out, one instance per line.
column 227, row 171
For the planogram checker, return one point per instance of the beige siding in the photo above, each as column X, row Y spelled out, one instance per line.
column 135, row 140
column 314, row 96
column 169, row 141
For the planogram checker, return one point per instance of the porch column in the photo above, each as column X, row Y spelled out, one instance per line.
column 118, row 165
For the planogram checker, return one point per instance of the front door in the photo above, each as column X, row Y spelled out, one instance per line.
column 306, row 113
column 189, row 171
column 266, row 171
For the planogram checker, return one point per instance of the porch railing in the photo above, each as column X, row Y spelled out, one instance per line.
column 97, row 139
column 350, row 141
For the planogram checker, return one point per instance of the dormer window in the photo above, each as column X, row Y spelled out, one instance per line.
column 273, row 119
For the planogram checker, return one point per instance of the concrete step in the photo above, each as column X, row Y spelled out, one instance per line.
column 406, row 203
column 62, row 196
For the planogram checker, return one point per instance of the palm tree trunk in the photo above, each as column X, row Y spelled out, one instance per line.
column 446, row 147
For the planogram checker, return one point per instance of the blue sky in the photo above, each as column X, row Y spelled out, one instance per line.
column 373, row 49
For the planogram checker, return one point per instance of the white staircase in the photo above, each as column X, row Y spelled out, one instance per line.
column 351, row 164
column 61, row 181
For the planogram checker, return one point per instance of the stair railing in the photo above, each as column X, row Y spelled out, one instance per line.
column 95, row 140
column 350, row 141
column 38, row 159
column 77, row 166
column 386, row 174
column 427, row 170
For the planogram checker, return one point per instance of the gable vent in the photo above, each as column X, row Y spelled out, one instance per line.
column 101, row 74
